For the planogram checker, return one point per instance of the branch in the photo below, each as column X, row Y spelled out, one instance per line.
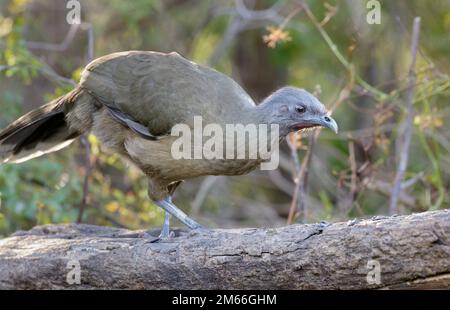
column 408, row 123
column 292, row 141
column 56, row 47
column 85, row 138
column 241, row 19
column 299, row 197
column 376, row 92
column 50, row 74
column 412, row 252
column 206, row 185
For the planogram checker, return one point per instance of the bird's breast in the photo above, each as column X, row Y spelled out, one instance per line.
column 173, row 159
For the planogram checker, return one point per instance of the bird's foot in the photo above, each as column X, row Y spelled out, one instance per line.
column 161, row 238
column 200, row 230
column 166, row 235
column 148, row 237
column 323, row 224
column 170, row 208
column 165, row 231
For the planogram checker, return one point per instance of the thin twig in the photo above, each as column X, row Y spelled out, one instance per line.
column 298, row 204
column 303, row 178
column 202, row 193
column 45, row 69
column 84, row 139
column 406, row 135
column 412, row 181
column 51, row 74
column 233, row 29
column 56, row 47
column 90, row 34
column 87, row 174
column 248, row 14
column 281, row 182
column 295, row 206
column 376, row 92
column 4, row 67
column 353, row 167
column 299, row 197
column 243, row 18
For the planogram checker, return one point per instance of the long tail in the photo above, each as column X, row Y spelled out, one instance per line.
column 49, row 128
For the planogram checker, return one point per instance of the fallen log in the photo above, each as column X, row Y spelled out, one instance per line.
column 383, row 252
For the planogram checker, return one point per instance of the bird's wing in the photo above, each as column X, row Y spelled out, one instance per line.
column 125, row 119
column 156, row 91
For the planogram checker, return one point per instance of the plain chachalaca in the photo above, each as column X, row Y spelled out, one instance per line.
column 131, row 101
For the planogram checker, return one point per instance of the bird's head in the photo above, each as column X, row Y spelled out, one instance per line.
column 295, row 109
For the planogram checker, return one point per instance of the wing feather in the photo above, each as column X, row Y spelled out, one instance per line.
column 156, row 91
column 127, row 120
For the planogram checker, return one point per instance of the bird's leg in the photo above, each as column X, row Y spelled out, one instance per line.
column 165, row 231
column 158, row 190
column 170, row 208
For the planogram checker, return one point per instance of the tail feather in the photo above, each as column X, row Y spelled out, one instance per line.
column 39, row 132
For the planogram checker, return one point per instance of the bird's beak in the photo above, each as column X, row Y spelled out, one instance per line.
column 323, row 121
column 329, row 122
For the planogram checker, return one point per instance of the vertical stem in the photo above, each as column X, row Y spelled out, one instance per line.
column 406, row 135
column 303, row 178
column 85, row 140
column 298, row 202
column 296, row 175
column 87, row 174
column 353, row 167
column 376, row 92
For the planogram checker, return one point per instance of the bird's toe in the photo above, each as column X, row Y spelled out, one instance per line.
column 200, row 230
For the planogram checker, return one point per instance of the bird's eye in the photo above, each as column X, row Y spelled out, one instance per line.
column 300, row 109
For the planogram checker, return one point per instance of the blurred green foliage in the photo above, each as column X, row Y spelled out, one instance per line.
column 49, row 189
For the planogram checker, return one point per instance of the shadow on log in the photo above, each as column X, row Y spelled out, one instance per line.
column 408, row 251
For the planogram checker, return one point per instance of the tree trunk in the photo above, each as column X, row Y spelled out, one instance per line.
column 383, row 252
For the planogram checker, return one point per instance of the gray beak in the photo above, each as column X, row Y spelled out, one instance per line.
column 329, row 122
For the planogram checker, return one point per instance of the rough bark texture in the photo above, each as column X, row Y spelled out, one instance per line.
column 412, row 251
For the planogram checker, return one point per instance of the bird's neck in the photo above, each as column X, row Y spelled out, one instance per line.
column 264, row 114
column 260, row 114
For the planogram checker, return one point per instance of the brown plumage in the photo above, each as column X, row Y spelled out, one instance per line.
column 132, row 100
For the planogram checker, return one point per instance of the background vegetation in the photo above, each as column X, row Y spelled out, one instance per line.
column 359, row 70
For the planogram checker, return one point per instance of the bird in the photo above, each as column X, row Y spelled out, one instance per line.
column 132, row 100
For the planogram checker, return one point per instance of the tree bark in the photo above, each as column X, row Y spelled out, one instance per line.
column 411, row 252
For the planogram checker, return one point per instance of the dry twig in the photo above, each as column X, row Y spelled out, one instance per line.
column 84, row 140
column 405, row 137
